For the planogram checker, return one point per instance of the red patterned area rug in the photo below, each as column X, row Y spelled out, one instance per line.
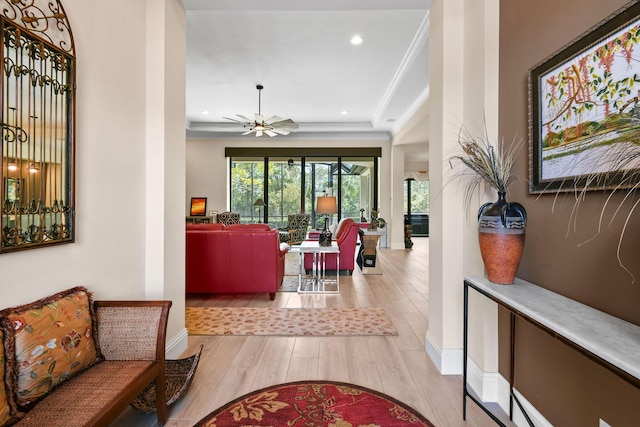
column 316, row 404
column 288, row 321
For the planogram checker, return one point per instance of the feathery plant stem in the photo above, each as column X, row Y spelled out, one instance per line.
column 489, row 165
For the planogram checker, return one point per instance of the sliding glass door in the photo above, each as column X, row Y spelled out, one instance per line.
column 291, row 184
column 416, row 206
column 284, row 190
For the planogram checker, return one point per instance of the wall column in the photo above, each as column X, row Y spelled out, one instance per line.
column 463, row 91
column 395, row 233
column 165, row 163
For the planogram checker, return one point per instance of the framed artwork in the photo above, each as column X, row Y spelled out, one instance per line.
column 198, row 206
column 584, row 110
column 13, row 188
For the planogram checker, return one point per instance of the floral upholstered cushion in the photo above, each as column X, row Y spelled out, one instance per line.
column 54, row 339
column 8, row 412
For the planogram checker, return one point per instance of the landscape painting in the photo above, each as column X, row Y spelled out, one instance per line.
column 585, row 110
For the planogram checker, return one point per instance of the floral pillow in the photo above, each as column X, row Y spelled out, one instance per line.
column 54, row 339
column 8, row 411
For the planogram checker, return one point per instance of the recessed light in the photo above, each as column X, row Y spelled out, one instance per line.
column 356, row 40
column 343, row 112
column 205, row 113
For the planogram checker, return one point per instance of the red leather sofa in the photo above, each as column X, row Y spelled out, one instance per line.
column 243, row 258
column 346, row 236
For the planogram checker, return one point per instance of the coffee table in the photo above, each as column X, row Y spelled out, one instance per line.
column 318, row 282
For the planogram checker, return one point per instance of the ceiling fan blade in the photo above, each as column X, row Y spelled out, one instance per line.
column 271, row 133
column 281, row 131
column 272, row 119
column 247, row 132
column 258, row 133
column 285, row 123
column 246, row 119
column 233, row 120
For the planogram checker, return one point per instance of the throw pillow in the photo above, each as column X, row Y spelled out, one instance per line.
column 339, row 228
column 54, row 339
column 332, row 228
column 8, row 411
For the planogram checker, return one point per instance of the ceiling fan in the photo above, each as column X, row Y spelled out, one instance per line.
column 272, row 126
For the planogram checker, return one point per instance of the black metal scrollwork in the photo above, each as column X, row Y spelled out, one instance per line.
column 36, row 125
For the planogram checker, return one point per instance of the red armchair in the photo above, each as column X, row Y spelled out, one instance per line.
column 346, row 236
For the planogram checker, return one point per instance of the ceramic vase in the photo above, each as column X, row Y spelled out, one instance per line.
column 501, row 228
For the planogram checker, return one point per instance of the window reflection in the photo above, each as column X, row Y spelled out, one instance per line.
column 37, row 143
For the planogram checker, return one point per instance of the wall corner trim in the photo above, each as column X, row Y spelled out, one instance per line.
column 177, row 345
column 448, row 361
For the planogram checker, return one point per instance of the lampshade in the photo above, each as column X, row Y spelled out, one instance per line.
column 326, row 205
column 258, row 202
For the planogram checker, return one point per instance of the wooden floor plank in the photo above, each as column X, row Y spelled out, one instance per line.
column 399, row 366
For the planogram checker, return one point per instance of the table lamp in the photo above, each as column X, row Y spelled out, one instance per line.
column 326, row 205
column 259, row 203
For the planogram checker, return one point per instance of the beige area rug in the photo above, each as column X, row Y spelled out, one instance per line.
column 291, row 269
column 288, row 321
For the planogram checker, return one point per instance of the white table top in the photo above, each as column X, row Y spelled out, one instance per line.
column 377, row 232
column 607, row 337
column 314, row 246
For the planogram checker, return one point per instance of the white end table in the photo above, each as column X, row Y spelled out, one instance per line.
column 317, row 282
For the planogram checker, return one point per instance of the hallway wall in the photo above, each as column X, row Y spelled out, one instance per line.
column 566, row 387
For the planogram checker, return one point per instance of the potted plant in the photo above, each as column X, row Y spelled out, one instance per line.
column 501, row 224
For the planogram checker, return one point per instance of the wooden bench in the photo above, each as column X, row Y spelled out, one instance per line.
column 131, row 337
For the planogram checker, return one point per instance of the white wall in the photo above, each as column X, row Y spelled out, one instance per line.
column 108, row 256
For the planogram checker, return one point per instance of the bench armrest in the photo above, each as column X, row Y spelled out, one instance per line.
column 132, row 330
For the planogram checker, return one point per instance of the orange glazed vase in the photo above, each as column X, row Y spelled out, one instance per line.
column 501, row 228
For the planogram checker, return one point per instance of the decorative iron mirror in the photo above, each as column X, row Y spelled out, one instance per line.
column 37, row 125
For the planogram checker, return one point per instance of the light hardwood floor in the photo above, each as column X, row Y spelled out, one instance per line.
column 398, row 366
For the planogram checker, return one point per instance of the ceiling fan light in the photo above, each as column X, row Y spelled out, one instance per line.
column 271, row 126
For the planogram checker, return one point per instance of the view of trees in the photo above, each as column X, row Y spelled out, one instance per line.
column 419, row 196
column 284, row 186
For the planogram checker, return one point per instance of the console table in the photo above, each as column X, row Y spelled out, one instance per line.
column 609, row 341
column 199, row 219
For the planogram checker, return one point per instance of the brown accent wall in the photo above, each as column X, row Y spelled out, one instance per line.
column 568, row 388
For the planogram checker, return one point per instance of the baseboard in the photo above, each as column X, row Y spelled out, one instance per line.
column 177, row 345
column 484, row 384
column 503, row 393
column 448, row 362
column 491, row 387
column 534, row 415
